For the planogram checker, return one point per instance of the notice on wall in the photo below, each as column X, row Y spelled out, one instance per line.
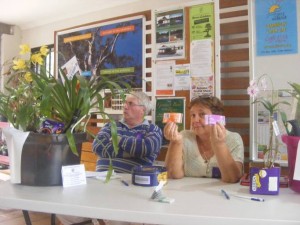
column 276, row 27
column 202, row 22
column 165, row 78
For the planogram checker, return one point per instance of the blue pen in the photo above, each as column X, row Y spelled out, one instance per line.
column 124, row 182
column 250, row 198
column 225, row 194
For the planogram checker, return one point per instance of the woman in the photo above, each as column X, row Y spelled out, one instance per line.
column 204, row 150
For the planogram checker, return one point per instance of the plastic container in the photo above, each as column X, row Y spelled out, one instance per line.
column 292, row 146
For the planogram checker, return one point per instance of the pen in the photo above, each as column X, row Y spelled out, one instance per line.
column 250, row 198
column 225, row 194
column 124, row 182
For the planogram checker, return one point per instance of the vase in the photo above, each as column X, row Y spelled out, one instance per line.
column 292, row 146
column 264, row 181
column 41, row 157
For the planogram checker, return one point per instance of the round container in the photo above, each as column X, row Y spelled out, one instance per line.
column 148, row 175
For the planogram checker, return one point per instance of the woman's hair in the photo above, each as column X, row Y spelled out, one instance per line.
column 213, row 103
column 143, row 99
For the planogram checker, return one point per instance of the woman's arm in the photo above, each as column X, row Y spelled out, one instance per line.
column 231, row 170
column 174, row 157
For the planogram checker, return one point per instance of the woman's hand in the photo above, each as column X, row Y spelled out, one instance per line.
column 217, row 134
column 171, row 132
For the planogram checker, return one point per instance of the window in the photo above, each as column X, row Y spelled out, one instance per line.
column 49, row 60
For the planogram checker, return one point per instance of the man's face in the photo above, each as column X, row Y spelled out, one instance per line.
column 133, row 111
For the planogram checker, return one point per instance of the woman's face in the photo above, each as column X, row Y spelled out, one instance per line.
column 197, row 114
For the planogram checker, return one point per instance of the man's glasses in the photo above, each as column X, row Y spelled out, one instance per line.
column 131, row 104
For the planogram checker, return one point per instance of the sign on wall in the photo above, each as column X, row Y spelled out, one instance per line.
column 108, row 49
column 276, row 27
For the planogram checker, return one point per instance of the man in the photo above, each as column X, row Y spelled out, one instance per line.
column 139, row 141
column 139, row 144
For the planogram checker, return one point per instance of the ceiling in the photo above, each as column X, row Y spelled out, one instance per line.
column 31, row 13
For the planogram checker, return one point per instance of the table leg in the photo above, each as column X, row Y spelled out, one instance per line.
column 53, row 217
column 26, row 217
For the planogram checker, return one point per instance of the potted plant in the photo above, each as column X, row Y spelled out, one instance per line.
column 293, row 137
column 32, row 96
column 260, row 176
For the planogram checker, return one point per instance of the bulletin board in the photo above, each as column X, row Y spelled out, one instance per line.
column 185, row 54
column 275, row 32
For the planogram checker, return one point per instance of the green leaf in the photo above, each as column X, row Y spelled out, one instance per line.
column 71, row 141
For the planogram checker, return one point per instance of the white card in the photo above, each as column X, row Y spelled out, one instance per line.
column 297, row 164
column 73, row 175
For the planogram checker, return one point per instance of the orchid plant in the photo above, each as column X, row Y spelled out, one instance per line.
column 255, row 90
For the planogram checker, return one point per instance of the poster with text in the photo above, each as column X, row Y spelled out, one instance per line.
column 276, row 27
column 202, row 23
column 202, row 86
column 113, row 49
column 170, row 42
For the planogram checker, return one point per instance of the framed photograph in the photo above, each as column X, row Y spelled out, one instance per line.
column 114, row 48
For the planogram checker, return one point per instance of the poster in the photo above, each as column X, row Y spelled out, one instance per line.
column 182, row 79
column 170, row 42
column 169, row 105
column 165, row 78
column 201, row 86
column 114, row 49
column 276, row 27
column 202, row 23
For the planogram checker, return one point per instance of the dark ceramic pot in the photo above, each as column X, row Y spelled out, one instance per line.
column 43, row 156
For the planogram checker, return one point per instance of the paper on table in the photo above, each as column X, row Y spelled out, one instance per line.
column 100, row 175
column 297, row 164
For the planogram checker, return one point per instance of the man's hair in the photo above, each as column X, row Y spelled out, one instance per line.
column 143, row 99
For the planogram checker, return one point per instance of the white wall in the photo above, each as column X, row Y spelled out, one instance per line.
column 45, row 35
column 9, row 49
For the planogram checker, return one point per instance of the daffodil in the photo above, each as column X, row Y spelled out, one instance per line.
column 44, row 50
column 19, row 64
column 37, row 59
column 24, row 49
column 28, row 77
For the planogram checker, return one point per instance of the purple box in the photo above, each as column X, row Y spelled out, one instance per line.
column 264, row 181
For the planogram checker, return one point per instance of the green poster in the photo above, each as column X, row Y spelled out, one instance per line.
column 169, row 105
column 202, row 24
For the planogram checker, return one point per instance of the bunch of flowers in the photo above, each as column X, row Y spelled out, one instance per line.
column 32, row 95
column 20, row 101
column 255, row 90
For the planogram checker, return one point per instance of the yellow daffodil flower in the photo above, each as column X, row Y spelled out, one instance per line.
column 37, row 58
column 24, row 49
column 28, row 77
column 19, row 64
column 44, row 50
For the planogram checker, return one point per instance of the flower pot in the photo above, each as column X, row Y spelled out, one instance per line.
column 43, row 156
column 264, row 181
column 37, row 159
column 292, row 146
